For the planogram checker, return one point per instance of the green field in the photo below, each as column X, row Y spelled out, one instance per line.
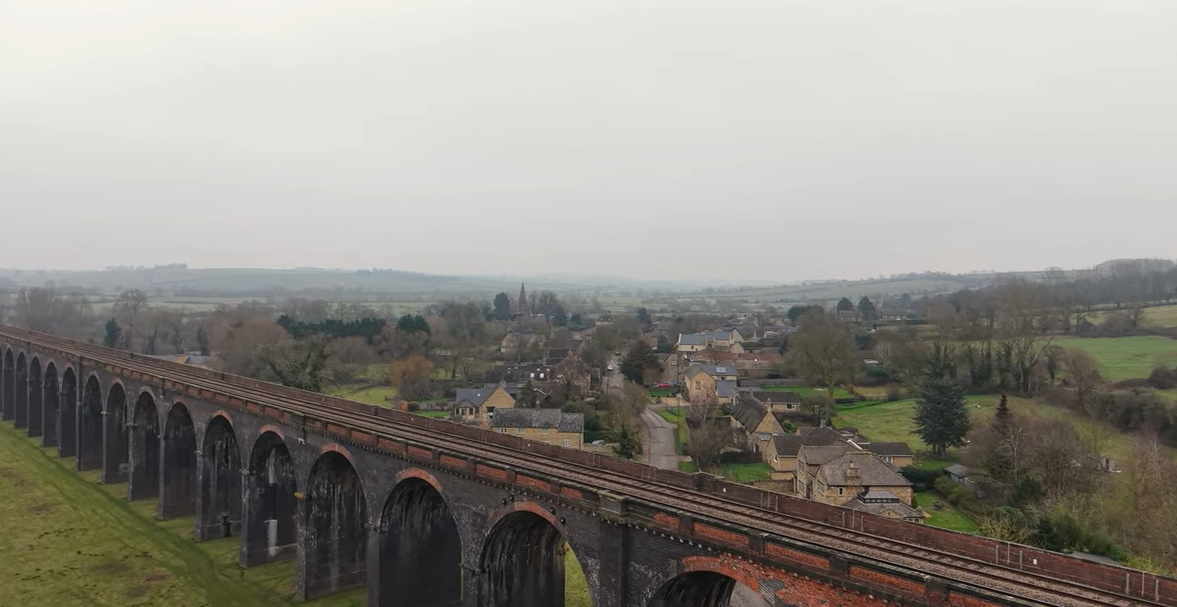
column 71, row 541
column 370, row 396
column 804, row 391
column 1122, row 358
column 892, row 422
column 947, row 517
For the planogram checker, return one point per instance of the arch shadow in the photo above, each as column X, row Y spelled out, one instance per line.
column 90, row 426
column 336, row 517
column 21, row 388
column 271, row 522
column 116, row 457
column 67, row 442
column 51, row 407
column 34, row 397
column 177, row 479
column 219, row 507
column 419, row 549
column 522, row 561
column 8, row 394
column 144, row 437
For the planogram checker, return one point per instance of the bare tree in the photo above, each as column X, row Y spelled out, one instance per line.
column 707, row 436
column 821, row 349
column 50, row 311
column 347, row 358
column 129, row 310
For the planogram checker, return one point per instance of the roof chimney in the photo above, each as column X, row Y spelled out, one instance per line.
column 852, row 470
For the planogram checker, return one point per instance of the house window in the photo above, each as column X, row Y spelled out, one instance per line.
column 888, row 459
column 533, row 376
column 840, row 489
column 502, row 430
column 544, row 430
column 791, row 407
column 567, row 442
column 520, row 430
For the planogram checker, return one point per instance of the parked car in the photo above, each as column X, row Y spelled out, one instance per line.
column 609, row 368
column 664, row 384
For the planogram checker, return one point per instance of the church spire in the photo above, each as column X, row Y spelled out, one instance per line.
column 522, row 305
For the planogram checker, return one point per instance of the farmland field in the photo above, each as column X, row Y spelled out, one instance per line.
column 80, row 543
column 1122, row 358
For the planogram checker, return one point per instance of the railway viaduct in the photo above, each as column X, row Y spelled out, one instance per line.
column 427, row 513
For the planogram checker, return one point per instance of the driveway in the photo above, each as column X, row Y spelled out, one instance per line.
column 659, row 448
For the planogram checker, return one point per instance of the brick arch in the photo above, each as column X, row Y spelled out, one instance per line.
column 525, row 506
column 419, row 474
column 272, row 428
column 739, row 570
column 520, row 558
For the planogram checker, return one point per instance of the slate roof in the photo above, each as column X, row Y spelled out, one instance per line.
column 880, row 508
column 777, row 396
column 474, row 396
column 959, row 470
column 822, row 454
column 871, row 472
column 725, row 389
column 888, row 448
column 748, row 411
column 538, row 418
column 714, row 370
column 790, row 444
column 701, row 339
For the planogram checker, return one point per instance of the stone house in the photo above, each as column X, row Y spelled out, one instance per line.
column 885, row 504
column 550, row 426
column 753, row 424
column 840, row 473
column 701, row 382
column 694, row 342
column 896, row 455
column 781, row 453
column 780, row 401
column 480, row 404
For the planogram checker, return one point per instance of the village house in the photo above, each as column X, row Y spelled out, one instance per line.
column 514, row 342
column 672, row 367
column 885, row 504
column 694, row 342
column 479, row 404
column 518, row 374
column 702, row 383
column 896, row 455
column 780, row 401
column 753, row 424
column 550, row 426
column 781, row 453
column 838, row 474
column 756, row 362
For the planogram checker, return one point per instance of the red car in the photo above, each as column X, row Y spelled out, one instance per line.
column 664, row 384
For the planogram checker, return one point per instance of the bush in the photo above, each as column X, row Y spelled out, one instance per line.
column 894, row 393
column 1163, row 378
column 413, row 407
column 922, row 479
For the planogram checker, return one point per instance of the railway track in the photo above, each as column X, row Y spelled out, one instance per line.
column 1036, row 587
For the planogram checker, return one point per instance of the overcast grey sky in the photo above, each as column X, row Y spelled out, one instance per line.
column 769, row 140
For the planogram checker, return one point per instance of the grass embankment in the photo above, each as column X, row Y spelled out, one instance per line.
column 1122, row 358
column 71, row 541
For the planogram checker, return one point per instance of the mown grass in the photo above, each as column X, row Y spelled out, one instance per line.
column 947, row 517
column 1122, row 358
column 434, row 414
column 660, row 392
column 69, row 540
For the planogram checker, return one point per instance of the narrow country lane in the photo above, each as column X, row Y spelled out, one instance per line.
column 659, row 448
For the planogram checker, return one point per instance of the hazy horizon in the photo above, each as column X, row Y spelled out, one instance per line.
column 741, row 141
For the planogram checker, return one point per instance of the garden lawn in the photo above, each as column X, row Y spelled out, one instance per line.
column 948, row 517
column 433, row 414
column 803, row 391
column 1122, row 358
column 661, row 392
column 746, row 473
column 892, row 422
